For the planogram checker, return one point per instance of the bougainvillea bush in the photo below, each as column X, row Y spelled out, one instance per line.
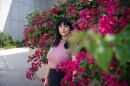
column 101, row 27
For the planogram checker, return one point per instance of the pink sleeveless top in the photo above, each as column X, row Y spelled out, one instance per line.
column 58, row 54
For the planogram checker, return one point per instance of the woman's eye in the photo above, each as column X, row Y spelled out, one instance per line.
column 66, row 26
column 60, row 26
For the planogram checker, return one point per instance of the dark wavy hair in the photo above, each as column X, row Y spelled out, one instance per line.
column 58, row 37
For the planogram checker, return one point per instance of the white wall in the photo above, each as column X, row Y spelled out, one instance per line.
column 13, row 14
column 4, row 10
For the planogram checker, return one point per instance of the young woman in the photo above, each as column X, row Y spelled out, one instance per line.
column 58, row 52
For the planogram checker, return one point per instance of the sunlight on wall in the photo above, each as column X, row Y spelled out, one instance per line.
column 4, row 11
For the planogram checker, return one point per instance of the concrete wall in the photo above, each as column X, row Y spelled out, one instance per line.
column 13, row 14
column 54, row 2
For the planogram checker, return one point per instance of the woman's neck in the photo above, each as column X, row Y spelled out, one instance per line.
column 64, row 38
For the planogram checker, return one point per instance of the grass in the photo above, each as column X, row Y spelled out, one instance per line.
column 9, row 47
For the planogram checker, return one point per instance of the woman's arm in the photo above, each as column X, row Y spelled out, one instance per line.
column 73, row 59
column 46, row 75
column 73, row 55
column 47, row 70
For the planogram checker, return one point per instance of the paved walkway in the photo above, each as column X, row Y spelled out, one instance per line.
column 13, row 66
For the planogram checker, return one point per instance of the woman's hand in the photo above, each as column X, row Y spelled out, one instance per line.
column 46, row 82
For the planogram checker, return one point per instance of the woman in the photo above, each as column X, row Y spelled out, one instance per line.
column 58, row 52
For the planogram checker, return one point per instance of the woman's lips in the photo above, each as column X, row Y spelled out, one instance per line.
column 63, row 32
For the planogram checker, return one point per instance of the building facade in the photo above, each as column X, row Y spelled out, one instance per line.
column 13, row 14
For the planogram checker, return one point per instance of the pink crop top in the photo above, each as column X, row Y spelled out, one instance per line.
column 58, row 54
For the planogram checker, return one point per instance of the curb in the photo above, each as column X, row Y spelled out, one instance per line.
column 13, row 51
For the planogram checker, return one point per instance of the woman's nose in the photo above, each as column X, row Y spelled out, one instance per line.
column 63, row 27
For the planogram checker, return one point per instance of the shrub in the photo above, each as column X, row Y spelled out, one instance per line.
column 101, row 26
column 6, row 41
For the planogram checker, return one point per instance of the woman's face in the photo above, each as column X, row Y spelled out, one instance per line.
column 64, row 30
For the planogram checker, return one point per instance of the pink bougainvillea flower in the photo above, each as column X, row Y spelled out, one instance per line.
column 81, row 1
column 54, row 10
column 43, row 80
column 71, row 10
column 80, row 71
column 88, row 4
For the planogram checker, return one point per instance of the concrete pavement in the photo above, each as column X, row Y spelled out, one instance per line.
column 13, row 66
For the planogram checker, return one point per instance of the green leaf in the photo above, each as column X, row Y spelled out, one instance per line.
column 83, row 63
column 99, row 48
column 121, row 56
column 103, row 54
column 128, row 74
column 123, row 52
column 122, row 46
column 76, row 38
column 98, row 76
